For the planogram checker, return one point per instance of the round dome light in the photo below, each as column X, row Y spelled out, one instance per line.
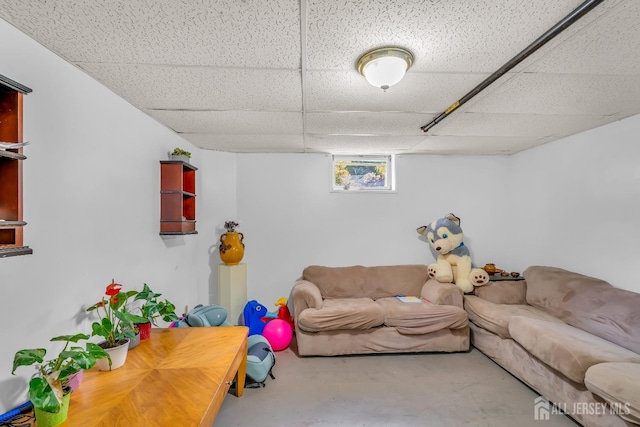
column 385, row 67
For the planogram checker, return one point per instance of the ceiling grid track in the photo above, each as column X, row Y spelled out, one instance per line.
column 303, row 69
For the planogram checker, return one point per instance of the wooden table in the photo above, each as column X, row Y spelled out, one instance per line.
column 178, row 377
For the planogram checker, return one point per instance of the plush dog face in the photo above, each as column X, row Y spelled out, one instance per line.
column 444, row 234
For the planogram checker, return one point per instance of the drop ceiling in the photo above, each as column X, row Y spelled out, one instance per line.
column 279, row 75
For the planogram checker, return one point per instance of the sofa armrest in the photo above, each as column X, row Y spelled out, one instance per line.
column 503, row 292
column 618, row 383
column 305, row 295
column 442, row 293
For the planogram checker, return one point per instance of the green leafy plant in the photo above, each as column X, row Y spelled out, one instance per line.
column 46, row 389
column 127, row 330
column 180, row 152
column 115, row 323
column 152, row 308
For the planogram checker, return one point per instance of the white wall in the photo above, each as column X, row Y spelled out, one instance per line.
column 291, row 220
column 574, row 204
column 91, row 200
column 579, row 204
column 216, row 203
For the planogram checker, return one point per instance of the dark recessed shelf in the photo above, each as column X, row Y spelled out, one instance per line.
column 12, row 223
column 7, row 251
column 177, row 197
column 11, row 157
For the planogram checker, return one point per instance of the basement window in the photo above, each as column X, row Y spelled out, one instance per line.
column 362, row 173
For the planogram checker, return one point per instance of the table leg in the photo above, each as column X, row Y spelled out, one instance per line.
column 242, row 371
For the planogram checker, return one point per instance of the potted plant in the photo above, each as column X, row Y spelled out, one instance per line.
column 151, row 309
column 180, row 154
column 130, row 331
column 48, row 389
column 114, row 318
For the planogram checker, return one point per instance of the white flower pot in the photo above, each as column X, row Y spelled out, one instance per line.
column 118, row 356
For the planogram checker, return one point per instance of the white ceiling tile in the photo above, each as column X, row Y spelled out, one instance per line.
column 363, row 123
column 247, row 142
column 417, row 92
column 529, row 125
column 475, row 145
column 445, row 36
column 561, row 38
column 198, row 88
column 364, row 144
column 230, row 122
column 608, row 45
column 250, row 33
column 279, row 75
column 563, row 94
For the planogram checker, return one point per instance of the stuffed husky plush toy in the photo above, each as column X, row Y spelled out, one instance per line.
column 454, row 261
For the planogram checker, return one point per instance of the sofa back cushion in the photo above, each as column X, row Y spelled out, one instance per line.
column 587, row 303
column 370, row 282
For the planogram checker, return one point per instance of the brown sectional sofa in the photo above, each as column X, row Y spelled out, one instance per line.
column 572, row 338
column 354, row 310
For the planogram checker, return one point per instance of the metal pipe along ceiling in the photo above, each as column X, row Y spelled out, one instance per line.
column 567, row 21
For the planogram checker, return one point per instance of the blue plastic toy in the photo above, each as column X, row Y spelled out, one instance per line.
column 253, row 313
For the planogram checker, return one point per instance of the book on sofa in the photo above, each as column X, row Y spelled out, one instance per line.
column 409, row 298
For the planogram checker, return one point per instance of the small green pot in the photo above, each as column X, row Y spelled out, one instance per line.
column 50, row 419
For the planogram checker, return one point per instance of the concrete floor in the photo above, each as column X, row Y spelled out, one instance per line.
column 429, row 389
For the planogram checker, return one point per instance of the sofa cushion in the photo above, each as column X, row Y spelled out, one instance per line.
column 442, row 293
column 496, row 317
column 568, row 350
column 503, row 292
column 342, row 313
column 619, row 385
column 590, row 304
column 371, row 282
column 422, row 317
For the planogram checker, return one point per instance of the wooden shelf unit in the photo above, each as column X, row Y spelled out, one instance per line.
column 11, row 214
column 177, row 197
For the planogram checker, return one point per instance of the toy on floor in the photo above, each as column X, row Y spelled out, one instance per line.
column 283, row 311
column 276, row 327
column 446, row 239
column 254, row 317
column 260, row 355
column 260, row 361
column 279, row 333
column 204, row 315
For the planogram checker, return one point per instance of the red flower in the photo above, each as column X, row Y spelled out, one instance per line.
column 113, row 289
column 113, row 300
column 99, row 304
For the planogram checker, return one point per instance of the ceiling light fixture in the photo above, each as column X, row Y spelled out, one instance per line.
column 386, row 66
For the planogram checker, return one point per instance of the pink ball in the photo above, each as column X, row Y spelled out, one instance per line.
column 278, row 333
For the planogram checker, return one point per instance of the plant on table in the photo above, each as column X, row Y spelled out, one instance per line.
column 153, row 308
column 47, row 387
column 115, row 324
